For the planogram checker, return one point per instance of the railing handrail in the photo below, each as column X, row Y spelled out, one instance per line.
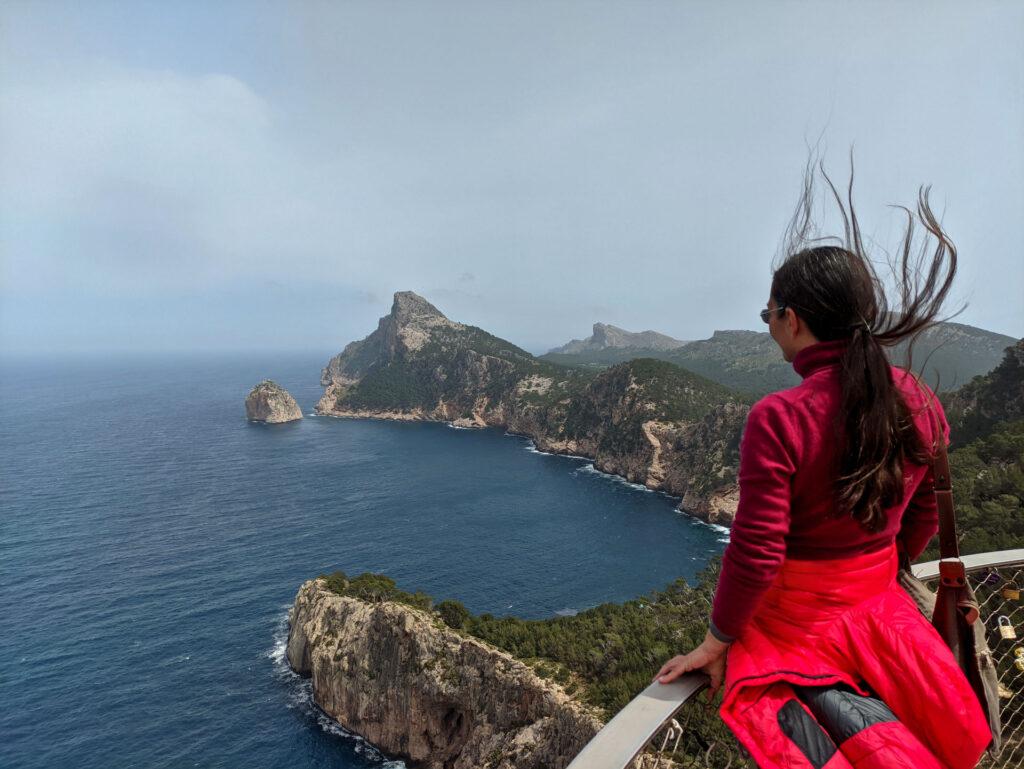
column 622, row 738
column 977, row 562
column 627, row 734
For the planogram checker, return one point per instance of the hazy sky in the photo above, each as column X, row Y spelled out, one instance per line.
column 209, row 175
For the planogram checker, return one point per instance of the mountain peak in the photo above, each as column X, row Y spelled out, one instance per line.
column 607, row 336
column 409, row 306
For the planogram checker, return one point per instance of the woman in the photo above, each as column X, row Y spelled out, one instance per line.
column 830, row 662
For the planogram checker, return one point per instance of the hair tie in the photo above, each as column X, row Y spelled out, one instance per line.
column 862, row 326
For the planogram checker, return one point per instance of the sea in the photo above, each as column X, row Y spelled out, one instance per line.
column 152, row 540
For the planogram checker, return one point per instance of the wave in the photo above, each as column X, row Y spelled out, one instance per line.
column 299, row 696
column 531, row 446
column 589, row 468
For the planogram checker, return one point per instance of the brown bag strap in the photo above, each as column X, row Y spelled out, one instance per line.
column 949, row 547
column 950, row 571
column 951, row 568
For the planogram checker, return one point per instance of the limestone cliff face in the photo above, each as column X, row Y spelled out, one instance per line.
column 649, row 421
column 269, row 402
column 415, row 688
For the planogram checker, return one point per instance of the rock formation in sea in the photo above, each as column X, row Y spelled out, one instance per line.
column 413, row 687
column 649, row 421
column 269, row 402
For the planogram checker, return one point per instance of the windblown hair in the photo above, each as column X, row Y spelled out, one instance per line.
column 835, row 290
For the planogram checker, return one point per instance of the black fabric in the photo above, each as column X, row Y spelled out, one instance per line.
column 842, row 711
column 800, row 726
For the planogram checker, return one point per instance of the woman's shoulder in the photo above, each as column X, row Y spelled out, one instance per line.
column 774, row 407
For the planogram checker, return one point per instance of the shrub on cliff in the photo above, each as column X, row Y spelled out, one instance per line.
column 453, row 613
column 375, row 588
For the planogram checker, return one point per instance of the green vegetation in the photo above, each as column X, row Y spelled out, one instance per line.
column 453, row 613
column 981, row 405
column 613, row 650
column 988, row 492
column 640, row 390
column 986, row 418
column 375, row 588
column 609, row 356
column 393, row 387
column 456, row 365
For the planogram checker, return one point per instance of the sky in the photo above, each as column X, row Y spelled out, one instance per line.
column 207, row 176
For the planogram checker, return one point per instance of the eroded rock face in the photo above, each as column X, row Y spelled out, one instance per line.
column 269, row 402
column 417, row 689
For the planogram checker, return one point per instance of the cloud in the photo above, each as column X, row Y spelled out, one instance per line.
column 121, row 178
column 532, row 173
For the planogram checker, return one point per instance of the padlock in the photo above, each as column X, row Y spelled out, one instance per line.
column 992, row 578
column 1019, row 662
column 1006, row 629
column 1010, row 591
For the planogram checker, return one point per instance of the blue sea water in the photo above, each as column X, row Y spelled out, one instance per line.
column 151, row 541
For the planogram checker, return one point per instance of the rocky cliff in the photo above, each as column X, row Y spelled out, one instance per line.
column 402, row 679
column 269, row 402
column 986, row 401
column 649, row 421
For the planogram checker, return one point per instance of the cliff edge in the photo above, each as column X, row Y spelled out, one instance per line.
column 413, row 687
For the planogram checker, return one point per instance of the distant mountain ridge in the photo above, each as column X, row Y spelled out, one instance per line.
column 646, row 420
column 606, row 336
column 949, row 354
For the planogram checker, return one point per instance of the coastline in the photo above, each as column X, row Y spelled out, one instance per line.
column 715, row 509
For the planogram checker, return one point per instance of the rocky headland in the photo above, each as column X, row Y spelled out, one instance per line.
column 415, row 688
column 269, row 402
column 646, row 420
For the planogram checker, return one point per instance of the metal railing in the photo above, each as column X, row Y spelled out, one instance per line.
column 666, row 725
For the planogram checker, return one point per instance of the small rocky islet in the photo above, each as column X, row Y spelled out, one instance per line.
column 270, row 403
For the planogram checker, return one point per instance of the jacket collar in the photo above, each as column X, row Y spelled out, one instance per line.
column 819, row 355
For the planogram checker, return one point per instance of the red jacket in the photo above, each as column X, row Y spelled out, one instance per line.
column 839, row 669
column 786, row 481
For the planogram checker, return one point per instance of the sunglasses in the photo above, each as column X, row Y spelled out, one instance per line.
column 766, row 313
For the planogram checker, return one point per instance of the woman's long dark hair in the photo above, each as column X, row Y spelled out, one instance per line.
column 836, row 291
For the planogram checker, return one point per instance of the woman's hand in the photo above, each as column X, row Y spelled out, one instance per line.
column 709, row 657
